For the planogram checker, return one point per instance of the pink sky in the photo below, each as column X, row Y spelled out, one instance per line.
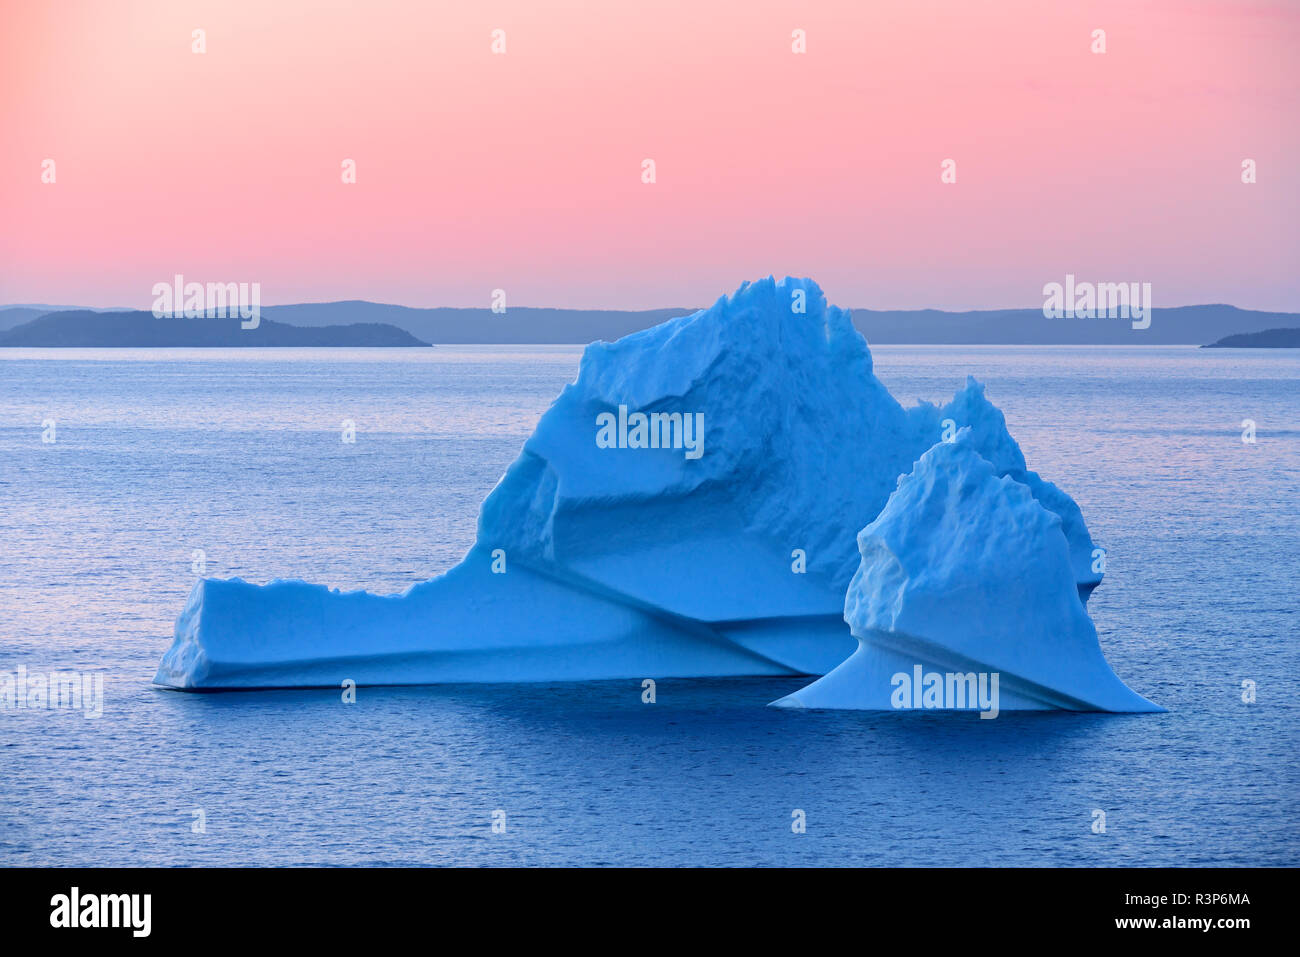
column 522, row 171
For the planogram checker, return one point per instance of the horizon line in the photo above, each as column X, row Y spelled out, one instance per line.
column 68, row 307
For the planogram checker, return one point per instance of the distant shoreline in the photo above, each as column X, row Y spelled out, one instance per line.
column 359, row 323
column 1288, row 338
column 81, row 329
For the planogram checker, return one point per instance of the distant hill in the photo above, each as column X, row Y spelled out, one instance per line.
column 19, row 313
column 1182, row 325
column 519, row 324
column 84, row 329
column 1268, row 339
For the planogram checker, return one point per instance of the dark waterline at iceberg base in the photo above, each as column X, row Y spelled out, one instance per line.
column 161, row 453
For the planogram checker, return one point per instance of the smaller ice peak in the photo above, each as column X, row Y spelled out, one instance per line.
column 970, row 409
column 965, row 574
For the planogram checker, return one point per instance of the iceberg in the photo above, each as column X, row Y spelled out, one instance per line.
column 965, row 599
column 687, row 507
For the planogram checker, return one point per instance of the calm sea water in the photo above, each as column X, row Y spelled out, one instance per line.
column 238, row 453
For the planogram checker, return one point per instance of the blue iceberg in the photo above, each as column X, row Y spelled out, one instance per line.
column 965, row 599
column 687, row 507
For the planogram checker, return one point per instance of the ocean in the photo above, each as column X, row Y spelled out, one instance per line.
column 164, row 461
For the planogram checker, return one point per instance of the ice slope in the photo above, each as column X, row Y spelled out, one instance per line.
column 965, row 572
column 729, row 556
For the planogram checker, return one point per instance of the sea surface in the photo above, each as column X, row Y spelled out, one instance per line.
column 157, row 454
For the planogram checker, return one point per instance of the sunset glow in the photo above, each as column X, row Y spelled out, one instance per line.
column 522, row 171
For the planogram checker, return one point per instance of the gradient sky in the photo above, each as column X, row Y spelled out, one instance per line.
column 523, row 172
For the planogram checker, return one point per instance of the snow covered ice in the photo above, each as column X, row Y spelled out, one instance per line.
column 687, row 507
column 965, row 599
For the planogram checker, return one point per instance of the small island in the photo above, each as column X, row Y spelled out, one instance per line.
column 134, row 330
column 1268, row 339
